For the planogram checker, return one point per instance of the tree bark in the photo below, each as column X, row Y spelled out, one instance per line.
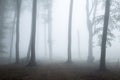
column 33, row 34
column 104, row 37
column 70, row 31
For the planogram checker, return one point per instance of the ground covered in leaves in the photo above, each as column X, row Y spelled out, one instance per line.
column 55, row 71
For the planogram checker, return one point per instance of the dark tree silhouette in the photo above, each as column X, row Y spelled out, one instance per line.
column 104, row 37
column 17, row 29
column 32, row 61
column 70, row 30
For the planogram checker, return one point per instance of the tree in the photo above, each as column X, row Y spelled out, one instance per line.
column 47, row 7
column 70, row 30
column 2, row 26
column 32, row 61
column 104, row 36
column 45, row 20
column 50, row 28
column 90, row 25
column 7, row 22
column 78, row 43
column 12, row 37
column 17, row 29
column 114, row 14
column 113, row 23
column 29, row 50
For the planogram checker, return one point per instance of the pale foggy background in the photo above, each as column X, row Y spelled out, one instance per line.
column 60, row 32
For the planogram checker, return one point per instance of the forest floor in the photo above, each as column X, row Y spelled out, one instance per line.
column 57, row 71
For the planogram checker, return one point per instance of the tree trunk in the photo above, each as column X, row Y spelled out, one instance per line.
column 17, row 30
column 2, row 25
column 12, row 38
column 45, row 45
column 33, row 34
column 104, row 37
column 50, row 29
column 29, row 51
column 70, row 31
column 90, row 48
column 90, row 25
column 78, row 44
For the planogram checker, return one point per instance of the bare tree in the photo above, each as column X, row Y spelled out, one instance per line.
column 90, row 25
column 29, row 50
column 17, row 29
column 104, row 36
column 50, row 28
column 70, row 30
column 12, row 37
column 32, row 61
column 45, row 44
column 78, row 43
column 47, row 6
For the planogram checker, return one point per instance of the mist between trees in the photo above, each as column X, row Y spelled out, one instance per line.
column 58, row 30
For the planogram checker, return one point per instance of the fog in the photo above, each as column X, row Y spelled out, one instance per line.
column 60, row 11
column 60, row 16
column 73, row 36
column 59, row 34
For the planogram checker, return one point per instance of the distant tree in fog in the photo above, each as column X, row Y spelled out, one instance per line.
column 91, row 11
column 29, row 50
column 17, row 29
column 2, row 26
column 32, row 61
column 7, row 25
column 45, row 22
column 104, row 36
column 70, row 30
column 78, row 34
column 47, row 6
column 12, row 37
column 50, row 28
